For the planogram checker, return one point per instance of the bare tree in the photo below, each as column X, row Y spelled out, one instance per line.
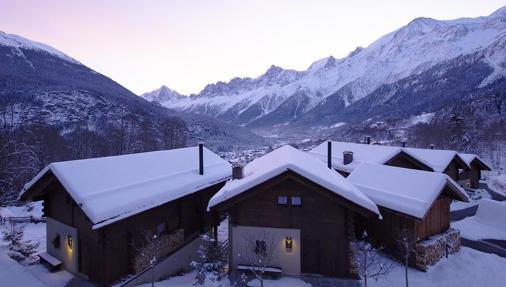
column 406, row 247
column 369, row 260
column 258, row 253
column 212, row 261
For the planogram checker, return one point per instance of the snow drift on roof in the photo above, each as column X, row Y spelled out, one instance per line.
column 469, row 157
column 405, row 190
column 378, row 154
column 437, row 159
column 288, row 158
column 112, row 188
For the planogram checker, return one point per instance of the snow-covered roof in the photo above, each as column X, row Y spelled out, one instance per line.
column 469, row 157
column 437, row 159
column 288, row 158
column 377, row 154
column 112, row 188
column 405, row 190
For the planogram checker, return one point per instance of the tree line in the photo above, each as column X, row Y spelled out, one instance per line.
column 25, row 149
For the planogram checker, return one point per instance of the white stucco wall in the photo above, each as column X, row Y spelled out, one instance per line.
column 65, row 254
column 241, row 238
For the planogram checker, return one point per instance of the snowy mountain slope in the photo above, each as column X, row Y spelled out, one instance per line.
column 410, row 50
column 16, row 42
column 39, row 84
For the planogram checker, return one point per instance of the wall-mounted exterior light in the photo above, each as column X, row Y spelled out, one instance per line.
column 288, row 242
column 70, row 241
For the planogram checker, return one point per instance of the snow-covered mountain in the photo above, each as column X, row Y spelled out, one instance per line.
column 163, row 95
column 281, row 97
column 17, row 43
column 41, row 85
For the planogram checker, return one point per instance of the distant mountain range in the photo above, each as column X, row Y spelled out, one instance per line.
column 421, row 68
column 39, row 84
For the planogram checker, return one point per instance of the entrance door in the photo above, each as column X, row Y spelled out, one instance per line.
column 310, row 256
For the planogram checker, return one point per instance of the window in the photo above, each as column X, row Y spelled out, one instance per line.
column 296, row 201
column 56, row 241
column 260, row 247
column 282, row 200
column 160, row 228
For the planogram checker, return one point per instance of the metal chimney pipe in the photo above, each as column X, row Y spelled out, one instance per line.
column 201, row 158
column 347, row 157
column 403, row 144
column 368, row 139
column 329, row 154
column 431, row 146
column 237, row 172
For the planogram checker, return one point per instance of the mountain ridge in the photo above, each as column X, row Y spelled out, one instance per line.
column 411, row 49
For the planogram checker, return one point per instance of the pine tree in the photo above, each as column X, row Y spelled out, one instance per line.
column 458, row 134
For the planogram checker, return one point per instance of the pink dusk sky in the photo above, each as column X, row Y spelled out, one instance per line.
column 188, row 44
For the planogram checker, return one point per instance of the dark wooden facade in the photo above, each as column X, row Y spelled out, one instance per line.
column 323, row 219
column 387, row 231
column 104, row 253
column 402, row 159
column 474, row 174
column 405, row 160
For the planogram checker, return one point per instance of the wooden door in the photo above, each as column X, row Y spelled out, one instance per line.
column 310, row 256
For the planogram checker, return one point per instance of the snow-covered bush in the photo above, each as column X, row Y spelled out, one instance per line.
column 212, row 262
column 23, row 251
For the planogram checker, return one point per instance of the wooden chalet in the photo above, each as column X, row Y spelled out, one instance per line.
column 412, row 203
column 346, row 157
column 448, row 162
column 103, row 213
column 477, row 165
column 306, row 208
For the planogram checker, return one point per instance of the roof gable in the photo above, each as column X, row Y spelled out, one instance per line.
column 404, row 190
column 365, row 153
column 473, row 158
column 286, row 159
column 437, row 159
column 112, row 188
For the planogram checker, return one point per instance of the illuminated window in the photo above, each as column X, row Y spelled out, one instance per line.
column 282, row 200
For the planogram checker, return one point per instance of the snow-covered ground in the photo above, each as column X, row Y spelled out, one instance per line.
column 13, row 273
column 188, row 279
column 474, row 199
column 467, row 268
column 497, row 183
column 488, row 223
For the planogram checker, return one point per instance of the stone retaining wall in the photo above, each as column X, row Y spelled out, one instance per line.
column 431, row 250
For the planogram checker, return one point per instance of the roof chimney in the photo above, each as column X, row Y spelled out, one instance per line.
column 237, row 171
column 347, row 157
column 201, row 158
column 329, row 154
column 431, row 146
column 368, row 139
column 403, row 143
